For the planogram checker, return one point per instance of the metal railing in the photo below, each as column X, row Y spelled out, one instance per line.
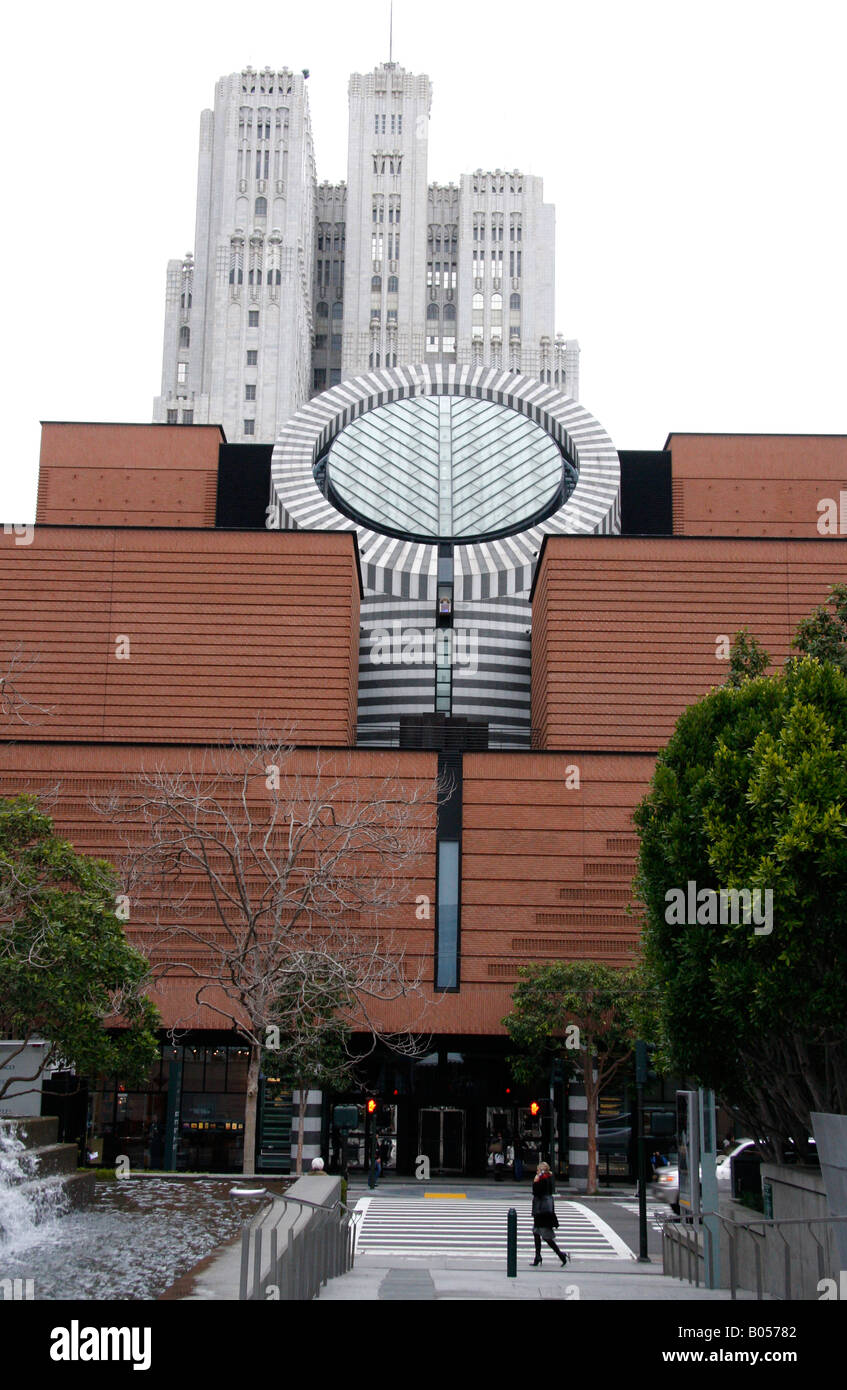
column 286, row 1258
column 681, row 1243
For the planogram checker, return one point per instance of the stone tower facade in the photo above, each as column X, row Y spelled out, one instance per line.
column 238, row 317
column 294, row 287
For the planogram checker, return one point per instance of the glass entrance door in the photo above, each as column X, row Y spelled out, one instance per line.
column 442, row 1138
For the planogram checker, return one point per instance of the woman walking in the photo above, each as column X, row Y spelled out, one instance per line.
column 544, row 1218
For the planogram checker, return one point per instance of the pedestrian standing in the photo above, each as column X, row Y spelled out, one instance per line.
column 544, row 1218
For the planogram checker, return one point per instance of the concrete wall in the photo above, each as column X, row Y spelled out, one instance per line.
column 798, row 1193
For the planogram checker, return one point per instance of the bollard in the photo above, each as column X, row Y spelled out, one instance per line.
column 511, row 1244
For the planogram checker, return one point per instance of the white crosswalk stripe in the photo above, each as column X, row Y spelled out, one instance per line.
column 655, row 1216
column 419, row 1226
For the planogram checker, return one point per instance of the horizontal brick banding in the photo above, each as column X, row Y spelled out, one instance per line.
column 225, row 629
column 128, row 475
column 625, row 630
column 41, row 768
column 754, row 484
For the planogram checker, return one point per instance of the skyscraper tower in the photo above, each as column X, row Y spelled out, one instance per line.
column 294, row 287
column 385, row 263
column 238, row 322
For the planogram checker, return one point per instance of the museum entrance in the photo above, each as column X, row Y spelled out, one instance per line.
column 441, row 1137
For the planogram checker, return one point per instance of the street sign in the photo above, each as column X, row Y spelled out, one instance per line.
column 688, row 1140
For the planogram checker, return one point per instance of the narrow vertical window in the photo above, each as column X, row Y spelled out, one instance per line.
column 448, row 872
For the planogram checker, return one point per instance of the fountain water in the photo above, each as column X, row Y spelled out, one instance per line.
column 38, row 1179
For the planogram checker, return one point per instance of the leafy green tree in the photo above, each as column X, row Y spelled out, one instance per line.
column 66, row 967
column 824, row 633
column 584, row 1014
column 750, row 793
column 747, row 659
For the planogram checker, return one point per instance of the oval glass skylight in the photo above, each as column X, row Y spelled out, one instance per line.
column 446, row 468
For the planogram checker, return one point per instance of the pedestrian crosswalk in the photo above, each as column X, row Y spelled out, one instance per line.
column 655, row 1215
column 414, row 1226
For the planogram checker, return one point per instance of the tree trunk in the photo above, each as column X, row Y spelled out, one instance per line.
column 303, row 1096
column 591, row 1118
column 251, row 1106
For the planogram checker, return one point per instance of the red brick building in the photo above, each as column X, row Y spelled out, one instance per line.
column 158, row 534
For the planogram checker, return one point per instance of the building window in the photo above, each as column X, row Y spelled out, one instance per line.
column 393, row 284
column 323, row 310
column 450, row 313
column 185, row 336
column 182, row 373
column 173, row 417
column 252, row 318
column 335, row 342
column 334, row 376
column 448, row 896
column 252, row 357
column 249, row 426
column 376, row 282
column 432, row 311
column 320, row 378
column 261, row 207
column 432, row 342
column 188, row 417
column 337, row 311
column 249, row 393
column 320, row 342
column 448, row 344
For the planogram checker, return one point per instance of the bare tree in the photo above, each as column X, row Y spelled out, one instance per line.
column 15, row 704
column 270, row 876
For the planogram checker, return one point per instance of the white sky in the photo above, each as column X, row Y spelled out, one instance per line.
column 695, row 154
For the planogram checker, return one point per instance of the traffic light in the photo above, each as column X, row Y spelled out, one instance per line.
column 370, row 1105
column 644, row 1064
column 534, row 1108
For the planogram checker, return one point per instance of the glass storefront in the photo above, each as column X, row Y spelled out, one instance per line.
column 211, row 1083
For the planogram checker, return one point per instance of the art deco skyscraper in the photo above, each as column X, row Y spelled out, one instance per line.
column 294, row 287
column 238, row 327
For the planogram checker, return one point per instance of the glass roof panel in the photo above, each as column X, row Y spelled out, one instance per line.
column 445, row 467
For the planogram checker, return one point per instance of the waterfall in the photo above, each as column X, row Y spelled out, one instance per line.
column 26, row 1200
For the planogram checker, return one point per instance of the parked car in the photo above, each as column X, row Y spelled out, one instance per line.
column 665, row 1184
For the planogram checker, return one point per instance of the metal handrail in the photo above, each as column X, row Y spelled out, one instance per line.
column 319, row 1250
column 682, row 1234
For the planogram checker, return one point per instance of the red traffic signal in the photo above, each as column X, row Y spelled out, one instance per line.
column 371, row 1105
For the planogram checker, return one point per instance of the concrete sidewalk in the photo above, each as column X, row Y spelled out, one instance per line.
column 407, row 1279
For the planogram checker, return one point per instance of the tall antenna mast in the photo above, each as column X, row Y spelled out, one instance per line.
column 391, row 32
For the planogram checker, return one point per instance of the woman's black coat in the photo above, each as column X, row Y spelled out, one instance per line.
column 543, row 1188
